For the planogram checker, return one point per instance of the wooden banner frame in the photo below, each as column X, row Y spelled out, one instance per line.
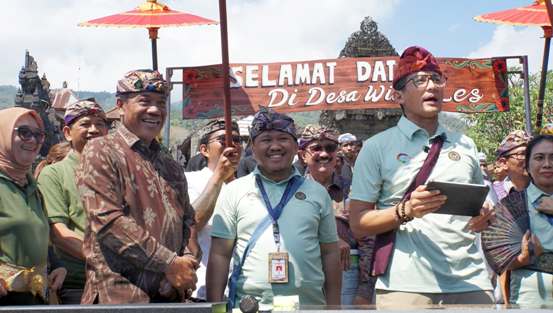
column 474, row 85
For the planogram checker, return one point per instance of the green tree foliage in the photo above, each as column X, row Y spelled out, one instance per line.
column 488, row 129
column 7, row 96
column 106, row 99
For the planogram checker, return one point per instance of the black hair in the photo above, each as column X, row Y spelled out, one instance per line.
column 205, row 139
column 125, row 96
column 531, row 145
column 401, row 83
column 399, row 86
column 221, row 124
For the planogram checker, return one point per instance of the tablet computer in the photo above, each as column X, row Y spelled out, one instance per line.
column 462, row 199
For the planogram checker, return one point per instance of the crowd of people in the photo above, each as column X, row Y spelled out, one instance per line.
column 109, row 217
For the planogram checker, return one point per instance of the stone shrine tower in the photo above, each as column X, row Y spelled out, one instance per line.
column 367, row 42
column 34, row 94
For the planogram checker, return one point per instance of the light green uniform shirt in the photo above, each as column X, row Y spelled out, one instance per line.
column 63, row 204
column 306, row 222
column 433, row 254
column 530, row 288
column 23, row 225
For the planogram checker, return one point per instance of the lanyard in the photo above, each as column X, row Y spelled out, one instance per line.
column 275, row 212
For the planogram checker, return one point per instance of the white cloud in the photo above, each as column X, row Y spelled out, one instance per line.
column 94, row 58
column 514, row 41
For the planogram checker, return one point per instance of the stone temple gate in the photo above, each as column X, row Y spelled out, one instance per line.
column 366, row 42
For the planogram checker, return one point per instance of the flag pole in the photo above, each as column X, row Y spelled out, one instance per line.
column 225, row 68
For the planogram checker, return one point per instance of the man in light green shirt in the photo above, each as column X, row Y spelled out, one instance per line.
column 435, row 258
column 306, row 227
column 84, row 120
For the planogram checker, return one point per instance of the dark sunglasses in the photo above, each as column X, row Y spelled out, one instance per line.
column 27, row 133
column 329, row 148
column 221, row 140
column 516, row 156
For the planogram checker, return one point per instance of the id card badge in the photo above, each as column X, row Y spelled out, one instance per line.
column 278, row 268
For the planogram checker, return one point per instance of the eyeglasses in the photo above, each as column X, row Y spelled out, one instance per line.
column 517, row 156
column 27, row 133
column 222, row 141
column 328, row 148
column 422, row 80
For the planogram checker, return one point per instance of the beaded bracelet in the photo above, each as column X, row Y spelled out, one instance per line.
column 403, row 218
column 398, row 215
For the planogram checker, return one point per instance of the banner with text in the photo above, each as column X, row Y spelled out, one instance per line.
column 473, row 85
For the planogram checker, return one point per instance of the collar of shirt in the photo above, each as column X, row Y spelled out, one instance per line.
column 334, row 180
column 508, row 184
column 29, row 189
column 295, row 172
column 206, row 171
column 410, row 129
column 534, row 194
column 73, row 157
column 134, row 142
column 336, row 187
column 347, row 162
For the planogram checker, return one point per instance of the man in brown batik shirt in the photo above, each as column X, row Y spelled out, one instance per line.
column 138, row 212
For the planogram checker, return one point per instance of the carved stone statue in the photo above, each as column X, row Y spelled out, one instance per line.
column 34, row 95
column 366, row 42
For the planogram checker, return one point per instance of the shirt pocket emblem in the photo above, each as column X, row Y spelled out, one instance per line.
column 300, row 195
column 403, row 158
column 454, row 156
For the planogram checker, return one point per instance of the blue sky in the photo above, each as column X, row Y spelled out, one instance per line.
column 445, row 27
column 259, row 30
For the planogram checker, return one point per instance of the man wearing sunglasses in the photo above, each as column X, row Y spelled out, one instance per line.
column 84, row 120
column 420, row 258
column 205, row 185
column 318, row 150
column 511, row 159
column 139, row 217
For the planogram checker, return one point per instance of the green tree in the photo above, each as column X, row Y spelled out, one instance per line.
column 488, row 129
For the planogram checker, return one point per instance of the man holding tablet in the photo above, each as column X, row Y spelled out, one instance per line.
column 420, row 258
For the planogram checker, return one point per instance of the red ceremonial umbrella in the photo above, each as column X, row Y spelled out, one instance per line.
column 540, row 13
column 151, row 15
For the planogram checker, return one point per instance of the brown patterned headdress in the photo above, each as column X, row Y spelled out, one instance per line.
column 315, row 132
column 215, row 125
column 513, row 140
column 142, row 81
column 82, row 108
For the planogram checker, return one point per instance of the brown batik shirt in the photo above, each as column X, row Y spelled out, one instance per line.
column 138, row 217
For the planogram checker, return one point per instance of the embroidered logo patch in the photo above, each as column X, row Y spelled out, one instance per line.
column 454, row 156
column 300, row 195
column 403, row 158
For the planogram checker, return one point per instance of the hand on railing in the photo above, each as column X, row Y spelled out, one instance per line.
column 56, row 278
column 181, row 273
